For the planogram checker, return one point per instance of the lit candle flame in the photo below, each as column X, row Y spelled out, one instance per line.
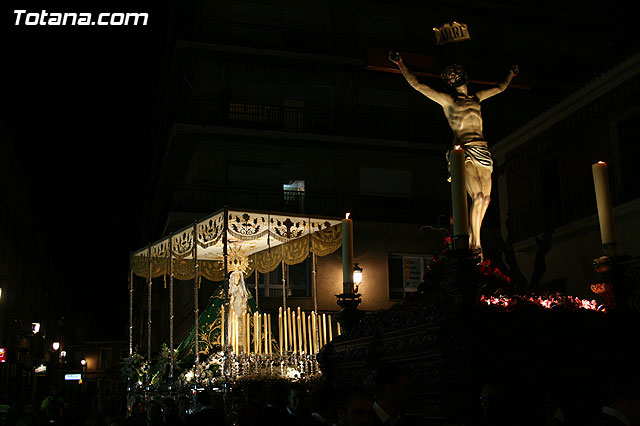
column 457, row 147
column 347, row 216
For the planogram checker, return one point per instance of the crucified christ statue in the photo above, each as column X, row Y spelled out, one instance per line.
column 462, row 111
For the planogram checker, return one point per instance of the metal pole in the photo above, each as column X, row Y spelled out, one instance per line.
column 226, row 277
column 225, row 348
column 149, row 279
column 130, row 327
column 171, row 310
column 255, row 273
column 284, row 286
column 130, row 305
column 314, row 282
column 195, row 294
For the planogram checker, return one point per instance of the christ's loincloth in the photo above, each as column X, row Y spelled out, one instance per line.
column 475, row 152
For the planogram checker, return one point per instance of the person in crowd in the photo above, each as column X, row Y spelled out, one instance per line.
column 170, row 415
column 154, row 413
column 355, row 408
column 275, row 410
column 323, row 407
column 205, row 414
column 256, row 403
column 621, row 401
column 296, row 400
column 184, row 408
column 392, row 386
column 137, row 417
column 54, row 413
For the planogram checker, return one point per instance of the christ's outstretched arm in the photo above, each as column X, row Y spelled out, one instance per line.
column 485, row 94
column 439, row 97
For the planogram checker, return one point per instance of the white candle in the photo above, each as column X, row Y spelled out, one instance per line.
column 286, row 334
column 266, row 334
column 280, row 328
column 330, row 329
column 605, row 209
column 347, row 255
column 459, row 197
column 268, row 339
column 315, row 332
column 324, row 329
column 309, row 330
column 235, row 332
column 222, row 342
column 304, row 333
column 294, row 334
column 288, row 328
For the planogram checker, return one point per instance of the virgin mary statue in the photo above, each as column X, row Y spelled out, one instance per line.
column 214, row 317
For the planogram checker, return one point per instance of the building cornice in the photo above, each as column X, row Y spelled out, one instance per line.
column 280, row 136
column 601, row 85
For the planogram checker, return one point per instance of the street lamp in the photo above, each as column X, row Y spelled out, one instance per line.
column 63, row 354
column 83, row 362
column 357, row 275
column 35, row 327
column 55, row 346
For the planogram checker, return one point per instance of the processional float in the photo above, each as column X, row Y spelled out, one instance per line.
column 232, row 334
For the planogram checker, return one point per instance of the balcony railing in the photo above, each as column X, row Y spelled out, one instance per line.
column 278, row 38
column 575, row 201
column 205, row 198
column 365, row 121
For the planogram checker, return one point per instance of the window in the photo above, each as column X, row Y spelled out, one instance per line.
column 378, row 181
column 406, row 273
column 294, row 195
column 298, row 281
column 105, row 358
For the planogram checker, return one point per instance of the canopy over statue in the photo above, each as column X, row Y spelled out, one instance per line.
column 250, row 241
column 462, row 111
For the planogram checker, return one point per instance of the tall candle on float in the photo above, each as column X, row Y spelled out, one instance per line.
column 304, row 333
column 293, row 331
column 266, row 334
column 324, row 329
column 605, row 209
column 347, row 255
column 280, row 328
column 268, row 342
column 222, row 342
column 314, row 323
column 256, row 329
column 459, row 199
column 288, row 328
column 286, row 335
column 330, row 329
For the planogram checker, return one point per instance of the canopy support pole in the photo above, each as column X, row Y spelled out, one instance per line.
column 171, row 311
column 130, row 326
column 149, row 280
column 284, row 286
column 314, row 282
column 130, row 306
column 225, row 347
column 226, row 278
column 255, row 273
column 195, row 298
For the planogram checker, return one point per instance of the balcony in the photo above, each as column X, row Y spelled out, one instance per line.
column 575, row 201
column 277, row 38
column 364, row 121
column 209, row 198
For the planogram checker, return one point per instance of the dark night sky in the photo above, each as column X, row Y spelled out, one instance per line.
column 79, row 103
